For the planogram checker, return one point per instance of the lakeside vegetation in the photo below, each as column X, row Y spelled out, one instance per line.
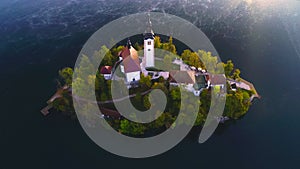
column 237, row 102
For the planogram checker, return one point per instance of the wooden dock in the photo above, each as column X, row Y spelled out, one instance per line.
column 58, row 94
column 45, row 111
column 255, row 95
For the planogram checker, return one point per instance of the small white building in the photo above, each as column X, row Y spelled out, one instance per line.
column 217, row 80
column 184, row 78
column 106, row 72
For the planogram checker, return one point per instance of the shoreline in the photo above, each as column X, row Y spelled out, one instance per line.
column 255, row 95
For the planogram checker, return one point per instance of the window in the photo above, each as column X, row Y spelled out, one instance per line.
column 149, row 50
column 149, row 42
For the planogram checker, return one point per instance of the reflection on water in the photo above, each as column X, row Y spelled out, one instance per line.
column 39, row 37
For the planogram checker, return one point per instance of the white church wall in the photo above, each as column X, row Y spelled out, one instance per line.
column 133, row 75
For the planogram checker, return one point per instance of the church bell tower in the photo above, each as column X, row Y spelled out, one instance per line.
column 149, row 45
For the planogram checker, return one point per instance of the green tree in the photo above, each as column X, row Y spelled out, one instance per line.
column 100, row 83
column 138, row 98
column 236, row 74
column 200, row 118
column 115, row 51
column 103, row 96
column 106, row 57
column 160, row 86
column 175, row 94
column 137, row 46
column 131, row 128
column 157, row 42
column 86, row 73
column 210, row 62
column 237, row 104
column 228, row 68
column 66, row 74
column 185, row 55
column 169, row 46
column 145, row 81
column 64, row 103
column 146, row 102
column 86, row 67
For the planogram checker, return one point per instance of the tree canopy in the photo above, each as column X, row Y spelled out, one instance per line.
column 237, row 103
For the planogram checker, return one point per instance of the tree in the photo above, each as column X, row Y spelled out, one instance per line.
column 236, row 74
column 82, row 83
column 200, row 118
column 115, row 51
column 160, row 86
column 205, row 99
column 64, row 104
column 228, row 68
column 185, row 55
column 175, row 94
column 99, row 83
column 237, row 104
column 86, row 67
column 137, row 46
column 66, row 74
column 169, row 46
column 210, row 62
column 195, row 60
column 157, row 42
column 105, row 56
column 145, row 81
column 131, row 128
column 146, row 102
column 103, row 96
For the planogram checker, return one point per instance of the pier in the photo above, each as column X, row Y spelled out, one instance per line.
column 246, row 85
column 58, row 94
column 255, row 95
column 45, row 111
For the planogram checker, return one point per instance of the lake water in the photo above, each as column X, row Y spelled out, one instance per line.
column 267, row 137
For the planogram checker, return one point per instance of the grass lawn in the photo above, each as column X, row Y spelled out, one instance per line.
column 159, row 64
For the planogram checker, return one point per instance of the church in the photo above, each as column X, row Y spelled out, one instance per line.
column 131, row 65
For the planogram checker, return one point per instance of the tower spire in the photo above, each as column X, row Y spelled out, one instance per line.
column 149, row 32
column 149, row 21
column 128, row 43
column 149, row 45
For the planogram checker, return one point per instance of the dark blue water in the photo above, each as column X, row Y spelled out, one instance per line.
column 30, row 55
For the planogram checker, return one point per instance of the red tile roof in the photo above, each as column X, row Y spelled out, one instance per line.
column 131, row 60
column 105, row 70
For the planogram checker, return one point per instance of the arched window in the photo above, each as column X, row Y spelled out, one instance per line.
column 149, row 42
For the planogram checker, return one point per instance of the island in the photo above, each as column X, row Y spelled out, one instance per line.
column 140, row 75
